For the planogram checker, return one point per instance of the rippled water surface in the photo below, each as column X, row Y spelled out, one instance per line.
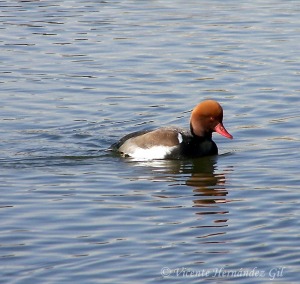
column 78, row 75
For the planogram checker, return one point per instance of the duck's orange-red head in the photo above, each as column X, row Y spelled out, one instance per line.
column 207, row 117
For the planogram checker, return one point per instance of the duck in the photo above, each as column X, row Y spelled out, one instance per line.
column 175, row 142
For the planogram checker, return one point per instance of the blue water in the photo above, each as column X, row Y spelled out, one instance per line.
column 75, row 77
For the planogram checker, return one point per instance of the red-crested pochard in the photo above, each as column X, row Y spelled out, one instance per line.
column 177, row 143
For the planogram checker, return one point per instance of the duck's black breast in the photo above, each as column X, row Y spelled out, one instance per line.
column 195, row 147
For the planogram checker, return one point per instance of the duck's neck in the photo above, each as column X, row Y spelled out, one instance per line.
column 200, row 134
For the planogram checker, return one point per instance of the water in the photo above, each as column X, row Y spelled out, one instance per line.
column 75, row 77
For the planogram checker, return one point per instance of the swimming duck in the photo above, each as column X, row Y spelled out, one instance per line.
column 175, row 142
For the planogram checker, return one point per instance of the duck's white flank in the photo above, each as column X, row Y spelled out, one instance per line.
column 153, row 153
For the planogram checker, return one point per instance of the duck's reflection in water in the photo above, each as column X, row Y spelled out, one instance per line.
column 210, row 194
column 207, row 185
column 202, row 175
column 207, row 194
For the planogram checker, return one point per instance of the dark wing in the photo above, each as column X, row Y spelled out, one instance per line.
column 117, row 145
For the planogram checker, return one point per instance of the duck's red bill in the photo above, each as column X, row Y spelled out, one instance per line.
column 221, row 130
